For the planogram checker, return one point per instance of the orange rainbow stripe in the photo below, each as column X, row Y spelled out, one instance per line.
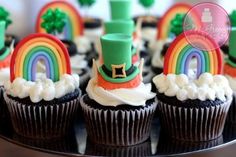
column 180, row 53
column 74, row 23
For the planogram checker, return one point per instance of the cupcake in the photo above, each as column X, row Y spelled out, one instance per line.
column 230, row 70
column 148, row 28
column 118, row 108
column 193, row 109
column 41, row 105
column 5, row 56
column 93, row 27
column 162, row 45
column 9, row 38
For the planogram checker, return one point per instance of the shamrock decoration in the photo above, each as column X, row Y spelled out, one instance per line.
column 86, row 2
column 54, row 21
column 176, row 25
column 232, row 17
column 4, row 16
column 147, row 3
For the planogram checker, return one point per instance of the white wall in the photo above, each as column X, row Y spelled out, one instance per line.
column 24, row 12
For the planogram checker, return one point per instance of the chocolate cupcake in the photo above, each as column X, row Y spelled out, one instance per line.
column 118, row 108
column 5, row 56
column 42, row 106
column 230, row 68
column 192, row 109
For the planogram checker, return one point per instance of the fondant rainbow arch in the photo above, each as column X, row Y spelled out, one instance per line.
column 164, row 24
column 180, row 53
column 74, row 23
column 37, row 47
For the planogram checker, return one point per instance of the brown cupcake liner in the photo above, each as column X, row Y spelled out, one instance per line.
column 118, row 127
column 4, row 113
column 143, row 149
column 42, row 122
column 231, row 118
column 193, row 124
column 171, row 146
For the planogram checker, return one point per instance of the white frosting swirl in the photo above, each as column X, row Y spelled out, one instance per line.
column 134, row 96
column 156, row 47
column 4, row 75
column 207, row 86
column 43, row 88
column 149, row 33
column 83, row 44
column 78, row 62
column 93, row 34
column 232, row 82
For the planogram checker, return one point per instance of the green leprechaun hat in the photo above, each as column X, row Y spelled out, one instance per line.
column 120, row 26
column 120, row 9
column 117, row 57
column 231, row 60
column 4, row 51
column 2, row 34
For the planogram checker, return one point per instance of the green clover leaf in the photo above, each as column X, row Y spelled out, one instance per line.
column 176, row 25
column 4, row 16
column 53, row 21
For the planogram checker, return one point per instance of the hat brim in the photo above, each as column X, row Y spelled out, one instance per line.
column 119, row 80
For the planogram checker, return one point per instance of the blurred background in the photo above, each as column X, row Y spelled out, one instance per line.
column 24, row 12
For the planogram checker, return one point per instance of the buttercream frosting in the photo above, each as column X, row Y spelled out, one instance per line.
column 78, row 62
column 43, row 88
column 133, row 96
column 156, row 48
column 149, row 33
column 83, row 44
column 4, row 75
column 232, row 82
column 207, row 86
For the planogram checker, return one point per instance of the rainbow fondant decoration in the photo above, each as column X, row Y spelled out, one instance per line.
column 180, row 53
column 43, row 47
column 74, row 23
column 164, row 24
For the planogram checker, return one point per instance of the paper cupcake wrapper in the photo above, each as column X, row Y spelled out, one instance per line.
column 4, row 113
column 42, row 122
column 193, row 124
column 231, row 118
column 229, row 132
column 171, row 146
column 118, row 128
column 143, row 149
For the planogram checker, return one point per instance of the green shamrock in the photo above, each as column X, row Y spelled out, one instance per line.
column 147, row 3
column 54, row 21
column 87, row 3
column 4, row 16
column 232, row 17
column 176, row 24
